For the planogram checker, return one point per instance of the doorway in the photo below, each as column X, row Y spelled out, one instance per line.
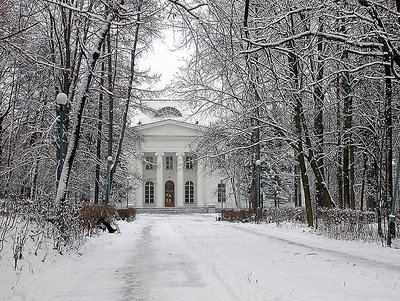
column 169, row 194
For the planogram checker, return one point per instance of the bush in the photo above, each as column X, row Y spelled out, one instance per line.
column 91, row 214
column 267, row 215
column 347, row 224
column 231, row 215
column 128, row 214
column 284, row 214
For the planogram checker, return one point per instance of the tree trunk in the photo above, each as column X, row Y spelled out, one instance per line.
column 99, row 132
column 34, row 179
column 10, row 144
column 298, row 119
column 297, row 186
column 110, row 97
column 319, row 98
column 352, row 177
column 78, row 113
column 313, row 163
column 65, row 79
column 388, row 134
column 256, row 143
column 378, row 189
column 348, row 149
column 1, row 159
column 364, row 176
column 388, row 147
column 253, row 203
column 110, row 138
column 398, row 8
column 392, row 52
column 304, row 176
column 255, row 119
column 315, row 157
column 2, row 117
column 339, row 172
column 129, row 96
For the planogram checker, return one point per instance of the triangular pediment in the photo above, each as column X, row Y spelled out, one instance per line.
column 170, row 127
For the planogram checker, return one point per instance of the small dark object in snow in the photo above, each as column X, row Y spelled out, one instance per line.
column 104, row 223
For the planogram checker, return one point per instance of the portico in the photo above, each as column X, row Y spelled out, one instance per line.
column 168, row 174
column 170, row 179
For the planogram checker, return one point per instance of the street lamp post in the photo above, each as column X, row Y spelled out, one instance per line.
column 61, row 100
column 127, row 194
column 222, row 195
column 392, row 217
column 108, row 188
column 258, row 188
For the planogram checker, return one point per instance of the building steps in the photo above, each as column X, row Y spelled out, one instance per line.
column 175, row 210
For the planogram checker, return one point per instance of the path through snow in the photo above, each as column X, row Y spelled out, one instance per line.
column 194, row 257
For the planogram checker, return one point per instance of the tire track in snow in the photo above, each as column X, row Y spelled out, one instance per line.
column 135, row 282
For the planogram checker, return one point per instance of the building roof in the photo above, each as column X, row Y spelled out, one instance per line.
column 169, row 135
column 168, row 123
column 154, row 110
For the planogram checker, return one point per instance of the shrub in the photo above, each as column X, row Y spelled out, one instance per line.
column 267, row 215
column 231, row 215
column 128, row 214
column 91, row 214
column 284, row 214
column 347, row 224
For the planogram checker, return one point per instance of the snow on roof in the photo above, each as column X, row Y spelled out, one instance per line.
column 152, row 110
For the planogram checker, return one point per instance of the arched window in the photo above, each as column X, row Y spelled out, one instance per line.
column 149, row 192
column 189, row 192
column 168, row 112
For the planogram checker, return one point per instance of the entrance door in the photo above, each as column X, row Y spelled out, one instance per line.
column 169, row 194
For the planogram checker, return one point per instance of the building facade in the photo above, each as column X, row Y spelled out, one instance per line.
column 168, row 174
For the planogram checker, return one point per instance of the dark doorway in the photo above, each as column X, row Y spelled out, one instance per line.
column 169, row 194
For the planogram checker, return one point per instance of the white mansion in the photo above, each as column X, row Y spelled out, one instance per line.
column 166, row 171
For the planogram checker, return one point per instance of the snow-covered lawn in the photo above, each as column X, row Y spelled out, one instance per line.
column 195, row 257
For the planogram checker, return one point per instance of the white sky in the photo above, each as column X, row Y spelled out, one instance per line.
column 164, row 58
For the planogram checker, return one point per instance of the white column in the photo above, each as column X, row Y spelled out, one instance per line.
column 200, row 184
column 159, row 197
column 179, row 180
column 139, row 201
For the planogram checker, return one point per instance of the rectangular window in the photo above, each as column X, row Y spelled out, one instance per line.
column 169, row 163
column 221, row 192
column 189, row 162
column 149, row 164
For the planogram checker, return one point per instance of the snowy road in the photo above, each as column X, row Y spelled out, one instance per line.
column 173, row 258
column 167, row 266
column 197, row 258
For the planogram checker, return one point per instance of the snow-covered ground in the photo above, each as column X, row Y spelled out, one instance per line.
column 195, row 257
